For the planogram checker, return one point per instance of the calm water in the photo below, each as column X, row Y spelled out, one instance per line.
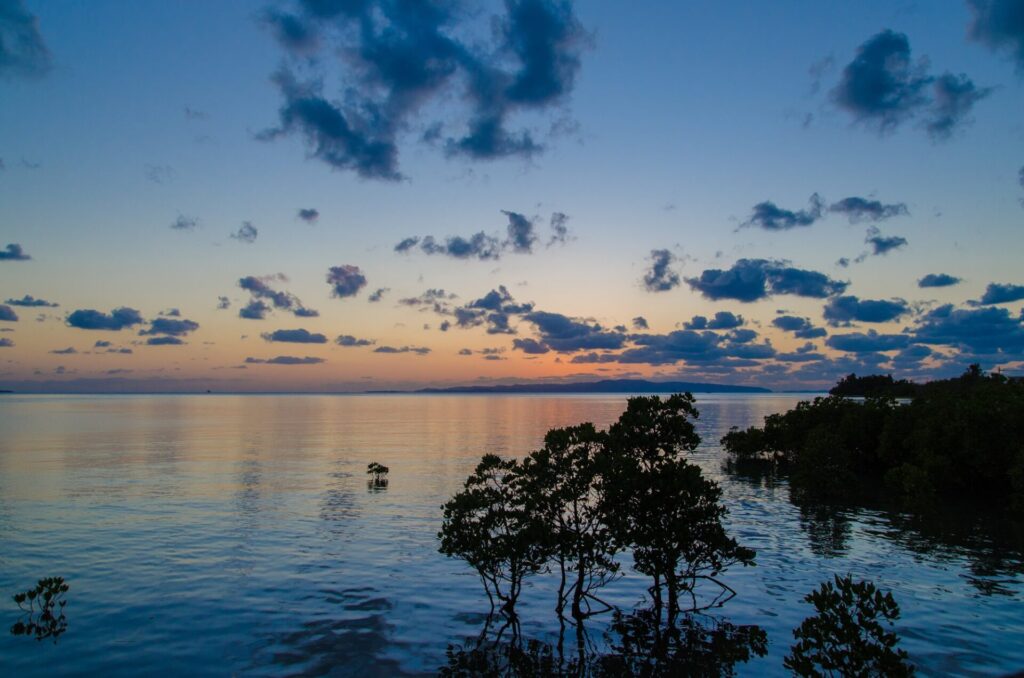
column 218, row 535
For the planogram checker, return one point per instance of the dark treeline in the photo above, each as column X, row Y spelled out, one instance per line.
column 874, row 386
column 956, row 440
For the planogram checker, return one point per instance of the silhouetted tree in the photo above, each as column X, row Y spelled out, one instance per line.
column 493, row 526
column 562, row 481
column 847, row 637
column 661, row 506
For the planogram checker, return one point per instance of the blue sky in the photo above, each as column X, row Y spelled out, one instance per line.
column 657, row 128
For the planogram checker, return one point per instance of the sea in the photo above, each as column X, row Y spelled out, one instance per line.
column 231, row 535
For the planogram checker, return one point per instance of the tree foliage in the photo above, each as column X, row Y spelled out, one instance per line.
column 42, row 610
column 848, row 635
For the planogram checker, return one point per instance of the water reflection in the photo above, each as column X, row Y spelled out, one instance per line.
column 42, row 610
column 636, row 644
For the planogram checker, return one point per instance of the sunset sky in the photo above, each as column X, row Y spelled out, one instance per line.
column 337, row 195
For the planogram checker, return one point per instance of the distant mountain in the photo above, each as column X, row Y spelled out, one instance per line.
column 604, row 386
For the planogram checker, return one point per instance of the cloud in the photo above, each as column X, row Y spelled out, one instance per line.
column 259, row 287
column 661, row 277
column 164, row 341
column 171, row 327
column 254, row 310
column 160, row 174
column 401, row 57
column 285, row 360
column 70, row 350
column 246, row 233
column 880, row 244
column 560, row 230
column 872, row 342
column 345, row 281
column 802, row 328
column 493, row 309
column 298, row 336
column 530, row 346
column 6, row 343
column 223, row 303
column 983, row 331
column 996, row 293
column 419, row 350
column 13, row 252
column 349, row 340
column 520, row 232
column 770, row 217
column 23, row 52
column 938, row 280
column 378, row 294
column 999, row 25
column 955, row 96
column 116, row 320
column 436, row 298
column 841, row 311
column 7, row 313
column 858, row 209
column 753, row 279
column 882, row 88
column 640, row 323
column 309, row 215
column 723, row 320
column 184, row 223
column 564, row 334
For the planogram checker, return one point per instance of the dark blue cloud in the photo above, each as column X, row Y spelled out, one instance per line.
column 840, row 311
column 954, row 97
column 660, row 277
column 378, row 294
column 260, row 289
column 23, row 52
column 171, row 327
column 30, row 301
column 254, row 310
column 13, row 252
column 297, row 336
column 640, row 323
column 983, row 331
column 285, row 360
column 403, row 55
column 407, row 244
column 164, row 341
column 753, row 279
column 560, row 229
column 858, row 209
column 223, row 303
column 999, row 24
column 871, row 342
column 494, row 308
column 997, row 293
column 345, row 281
column 802, row 328
column 723, row 320
column 883, row 87
column 769, row 216
column 116, row 320
column 881, row 244
column 530, row 346
column 477, row 246
column 348, row 340
column 309, row 215
column 564, row 334
column 7, row 313
column 246, row 233
column 6, row 343
column 521, row 236
column 938, row 280
column 419, row 350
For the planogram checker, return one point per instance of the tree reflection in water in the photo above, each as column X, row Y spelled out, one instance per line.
column 636, row 644
column 42, row 610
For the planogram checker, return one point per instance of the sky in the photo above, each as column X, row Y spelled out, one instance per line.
column 347, row 195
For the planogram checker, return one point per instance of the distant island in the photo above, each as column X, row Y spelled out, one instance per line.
column 603, row 386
